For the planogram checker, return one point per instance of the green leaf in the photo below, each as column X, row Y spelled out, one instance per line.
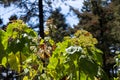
column 53, row 63
column 25, row 78
column 4, row 61
column 22, row 58
column 2, row 49
column 12, row 60
column 88, row 66
column 83, row 76
column 41, row 41
column 33, row 33
column 98, row 58
column 98, row 51
column 5, row 41
column 51, row 42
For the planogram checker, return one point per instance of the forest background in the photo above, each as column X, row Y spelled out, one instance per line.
column 99, row 17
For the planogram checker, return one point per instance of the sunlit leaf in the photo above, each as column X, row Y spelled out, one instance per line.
column 4, row 61
column 53, row 63
column 25, row 78
column 83, row 76
column 13, row 62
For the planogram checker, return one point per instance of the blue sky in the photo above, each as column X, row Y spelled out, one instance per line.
column 77, row 4
column 5, row 13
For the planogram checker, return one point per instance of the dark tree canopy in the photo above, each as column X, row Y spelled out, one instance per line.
column 57, row 26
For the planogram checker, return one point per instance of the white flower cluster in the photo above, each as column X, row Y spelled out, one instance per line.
column 73, row 49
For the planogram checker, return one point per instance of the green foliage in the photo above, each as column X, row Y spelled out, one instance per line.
column 2, row 51
column 75, row 58
column 16, row 42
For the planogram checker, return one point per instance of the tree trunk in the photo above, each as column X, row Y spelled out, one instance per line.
column 41, row 26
